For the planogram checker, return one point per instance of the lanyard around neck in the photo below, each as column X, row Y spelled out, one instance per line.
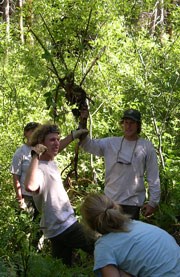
column 118, row 160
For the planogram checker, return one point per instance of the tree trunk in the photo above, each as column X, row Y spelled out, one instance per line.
column 21, row 21
column 6, row 18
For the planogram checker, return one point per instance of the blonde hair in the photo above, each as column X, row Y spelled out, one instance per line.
column 102, row 215
column 41, row 132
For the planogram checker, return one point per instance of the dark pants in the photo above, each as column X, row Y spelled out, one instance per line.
column 133, row 211
column 74, row 237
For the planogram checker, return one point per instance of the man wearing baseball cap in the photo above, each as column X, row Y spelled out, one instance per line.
column 128, row 159
column 132, row 114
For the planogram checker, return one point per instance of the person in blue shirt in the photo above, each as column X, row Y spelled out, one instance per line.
column 128, row 247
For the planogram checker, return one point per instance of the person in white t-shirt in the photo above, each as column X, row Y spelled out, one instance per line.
column 128, row 159
column 58, row 221
column 127, row 247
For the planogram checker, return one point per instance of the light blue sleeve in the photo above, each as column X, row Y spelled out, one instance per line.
column 103, row 256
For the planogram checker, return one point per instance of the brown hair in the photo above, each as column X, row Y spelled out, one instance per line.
column 41, row 132
column 102, row 215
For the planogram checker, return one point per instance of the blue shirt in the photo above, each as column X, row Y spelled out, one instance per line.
column 144, row 251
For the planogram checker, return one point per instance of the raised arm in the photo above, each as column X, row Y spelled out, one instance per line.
column 33, row 177
column 74, row 135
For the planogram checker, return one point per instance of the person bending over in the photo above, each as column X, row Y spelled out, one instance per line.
column 128, row 246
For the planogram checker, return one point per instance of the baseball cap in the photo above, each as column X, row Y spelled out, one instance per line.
column 31, row 125
column 132, row 114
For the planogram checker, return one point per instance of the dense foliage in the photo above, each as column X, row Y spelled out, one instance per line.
column 122, row 54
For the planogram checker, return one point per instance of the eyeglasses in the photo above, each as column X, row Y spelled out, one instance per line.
column 120, row 160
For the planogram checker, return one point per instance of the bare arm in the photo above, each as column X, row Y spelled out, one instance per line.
column 112, row 271
column 65, row 142
column 17, row 186
column 76, row 134
column 32, row 179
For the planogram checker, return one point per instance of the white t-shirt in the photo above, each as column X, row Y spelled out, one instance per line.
column 52, row 201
